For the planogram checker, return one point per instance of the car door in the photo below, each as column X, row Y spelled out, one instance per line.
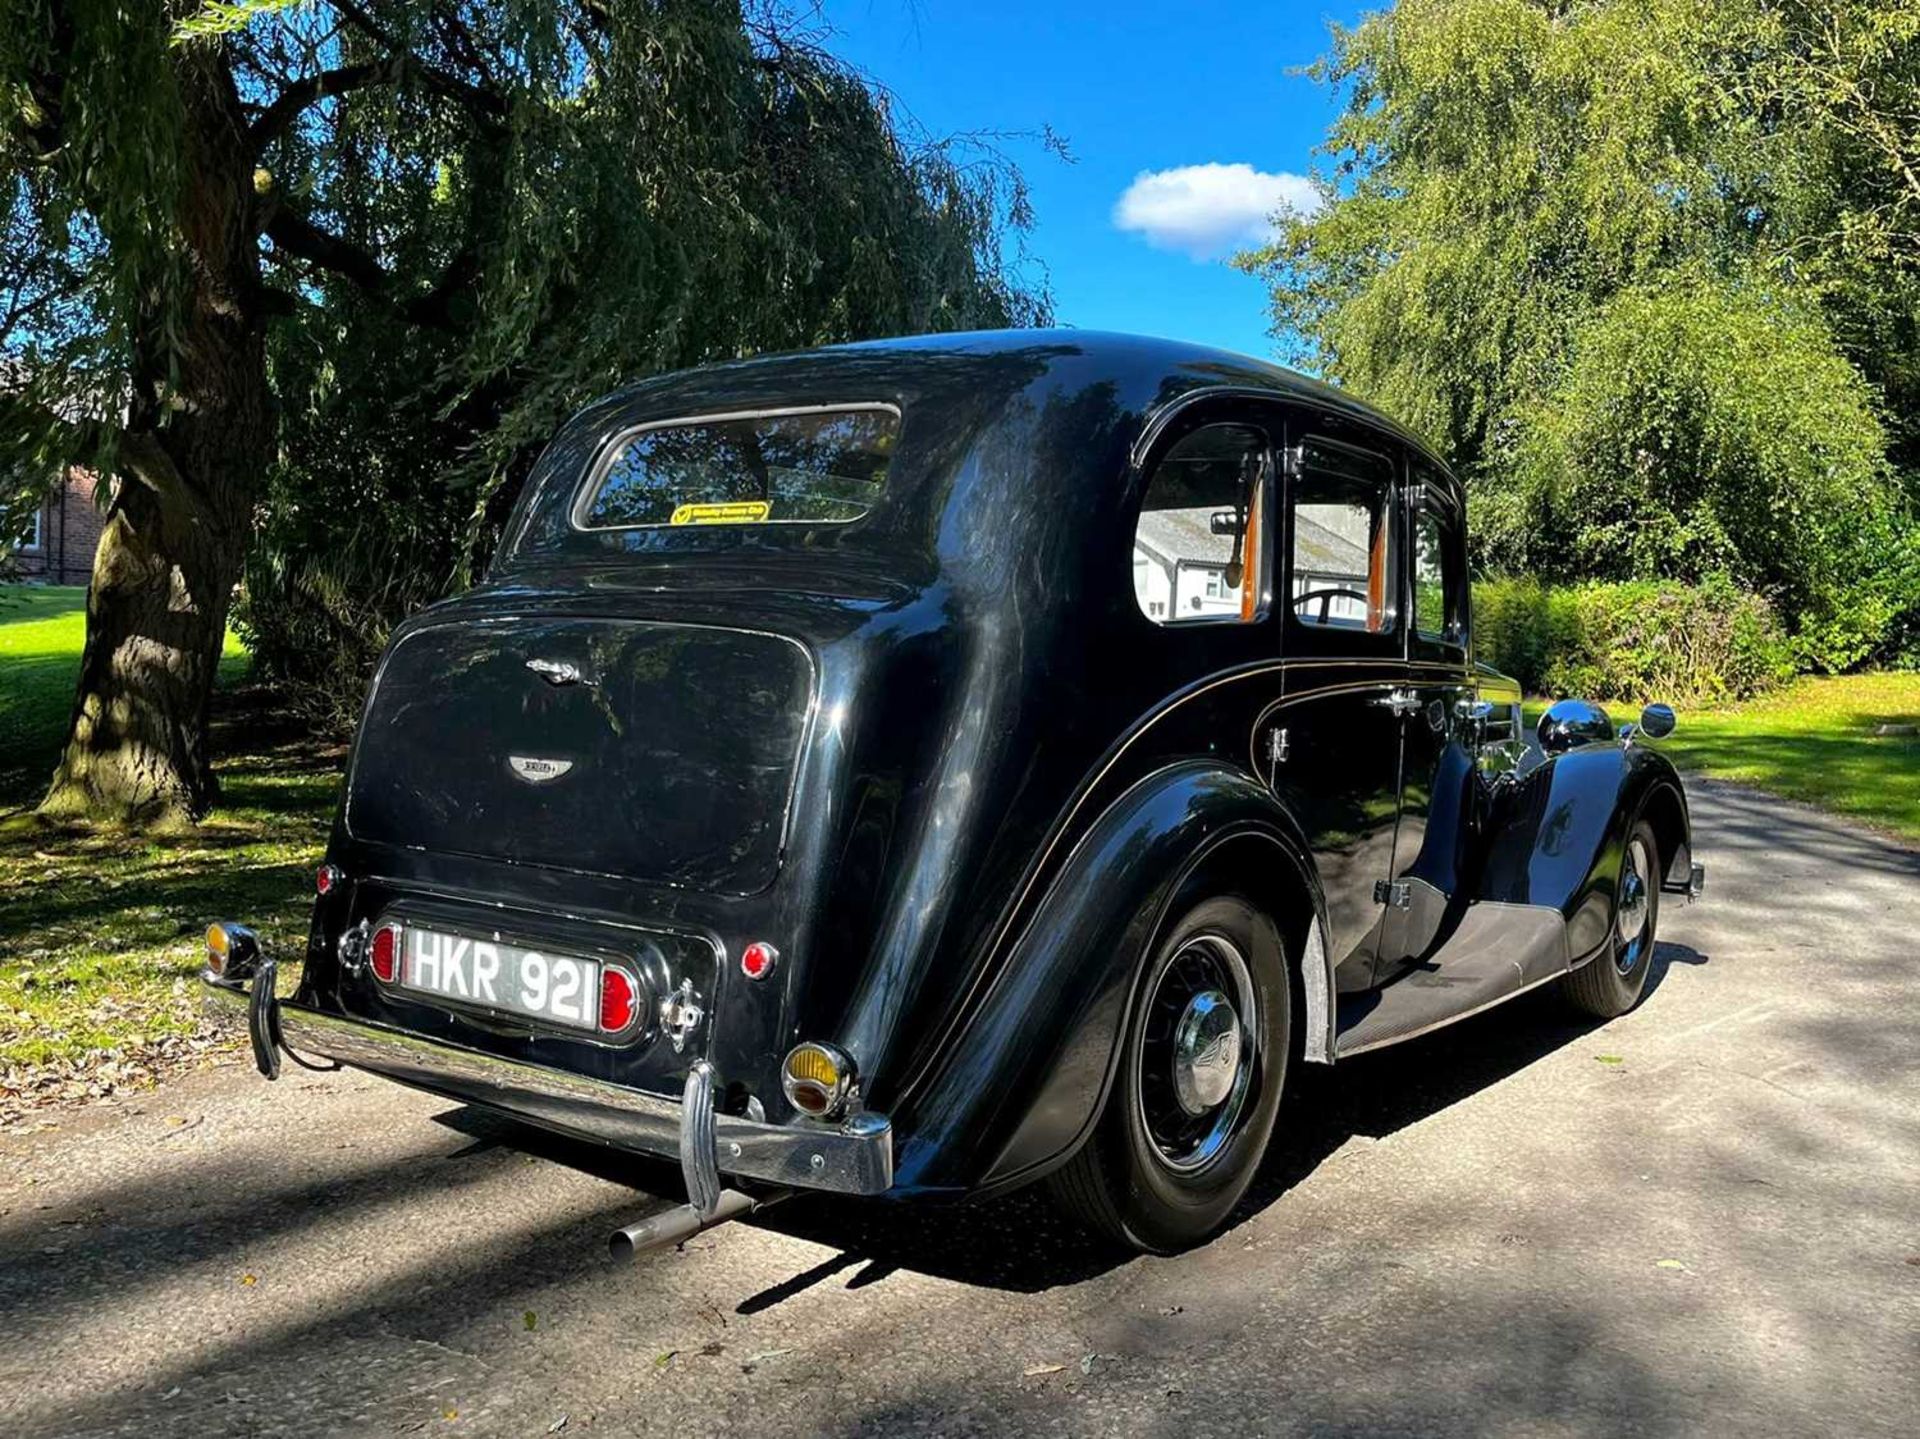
column 1438, row 730
column 1337, row 755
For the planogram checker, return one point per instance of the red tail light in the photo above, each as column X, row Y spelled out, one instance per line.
column 325, row 878
column 384, row 955
column 757, row 959
column 619, row 999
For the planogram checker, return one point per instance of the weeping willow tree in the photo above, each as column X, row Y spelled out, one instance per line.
column 1649, row 270
column 341, row 266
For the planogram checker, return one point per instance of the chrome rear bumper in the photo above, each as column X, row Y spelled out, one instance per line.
column 854, row 1157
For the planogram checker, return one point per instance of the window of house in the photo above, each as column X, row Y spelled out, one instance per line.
column 807, row 467
column 35, row 530
column 1199, row 544
column 1342, row 572
column 1439, row 589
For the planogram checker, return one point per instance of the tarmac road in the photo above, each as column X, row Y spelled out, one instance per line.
column 1701, row 1218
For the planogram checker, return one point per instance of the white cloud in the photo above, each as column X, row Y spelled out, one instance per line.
column 1210, row 210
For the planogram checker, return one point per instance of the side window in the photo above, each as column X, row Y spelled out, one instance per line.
column 1341, row 575
column 1439, row 586
column 1199, row 545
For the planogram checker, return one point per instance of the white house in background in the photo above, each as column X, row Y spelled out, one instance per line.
column 1180, row 565
column 1330, row 553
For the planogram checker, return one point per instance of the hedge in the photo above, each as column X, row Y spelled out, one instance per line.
column 1636, row 640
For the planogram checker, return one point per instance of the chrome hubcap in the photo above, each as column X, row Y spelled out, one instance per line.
column 1630, row 909
column 1206, row 1052
column 1197, row 1052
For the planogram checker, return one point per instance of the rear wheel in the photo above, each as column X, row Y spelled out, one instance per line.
column 1610, row 984
column 1204, row 1063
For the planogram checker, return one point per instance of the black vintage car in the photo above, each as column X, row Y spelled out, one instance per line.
column 936, row 765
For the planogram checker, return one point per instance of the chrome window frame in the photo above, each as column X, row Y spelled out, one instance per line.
column 1397, row 604
column 596, row 475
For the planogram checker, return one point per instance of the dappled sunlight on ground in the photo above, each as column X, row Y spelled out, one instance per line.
column 1696, row 1218
column 100, row 929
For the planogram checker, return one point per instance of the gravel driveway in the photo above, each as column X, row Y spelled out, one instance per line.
column 1704, row 1217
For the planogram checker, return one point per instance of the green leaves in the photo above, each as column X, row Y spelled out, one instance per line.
column 1649, row 271
column 651, row 186
column 225, row 17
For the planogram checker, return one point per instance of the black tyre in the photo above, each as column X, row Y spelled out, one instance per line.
column 1610, row 984
column 1201, row 1073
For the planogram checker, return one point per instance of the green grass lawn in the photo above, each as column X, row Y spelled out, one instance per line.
column 100, row 930
column 42, row 629
column 1814, row 741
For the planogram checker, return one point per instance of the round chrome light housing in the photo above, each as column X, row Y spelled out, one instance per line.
column 326, row 879
column 1568, row 724
column 817, row 1079
column 233, row 951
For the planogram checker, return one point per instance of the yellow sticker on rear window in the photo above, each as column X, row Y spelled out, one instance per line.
column 729, row 512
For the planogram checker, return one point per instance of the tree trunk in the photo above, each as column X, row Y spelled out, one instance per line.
column 198, row 437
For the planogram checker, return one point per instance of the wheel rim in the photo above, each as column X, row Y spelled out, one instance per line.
column 1633, row 910
column 1197, row 1052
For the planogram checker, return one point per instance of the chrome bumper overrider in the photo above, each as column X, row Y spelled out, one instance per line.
column 854, row 1157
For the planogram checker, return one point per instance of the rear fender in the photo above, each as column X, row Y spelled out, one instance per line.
column 1558, row 832
column 1024, row 1079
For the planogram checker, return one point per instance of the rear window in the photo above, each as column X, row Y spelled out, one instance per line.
column 815, row 466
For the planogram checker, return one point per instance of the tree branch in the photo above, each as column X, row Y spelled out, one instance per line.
column 286, row 108
column 298, row 236
column 488, row 107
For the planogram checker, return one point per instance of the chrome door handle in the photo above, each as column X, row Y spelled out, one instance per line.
column 1401, row 702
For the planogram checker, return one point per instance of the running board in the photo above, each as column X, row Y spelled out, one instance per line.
column 1495, row 952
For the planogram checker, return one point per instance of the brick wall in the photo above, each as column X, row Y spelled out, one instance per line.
column 69, row 534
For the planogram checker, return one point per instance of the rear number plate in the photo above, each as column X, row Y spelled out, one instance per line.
column 558, row 988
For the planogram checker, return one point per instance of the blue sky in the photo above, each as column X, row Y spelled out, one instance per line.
column 1153, row 100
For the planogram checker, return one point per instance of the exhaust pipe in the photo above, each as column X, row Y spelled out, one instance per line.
column 681, row 1223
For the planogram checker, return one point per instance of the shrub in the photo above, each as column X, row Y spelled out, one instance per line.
column 316, row 616
column 1709, row 429
column 1635, row 640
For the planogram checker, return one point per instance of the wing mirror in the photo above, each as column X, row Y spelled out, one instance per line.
column 1657, row 721
column 1224, row 523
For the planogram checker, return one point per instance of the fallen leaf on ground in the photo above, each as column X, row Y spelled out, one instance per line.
column 1669, row 1264
column 530, row 1319
column 1608, row 1058
column 1034, row 1371
column 249, row 1280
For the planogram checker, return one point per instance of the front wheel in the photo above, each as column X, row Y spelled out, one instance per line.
column 1201, row 1073
column 1610, row 983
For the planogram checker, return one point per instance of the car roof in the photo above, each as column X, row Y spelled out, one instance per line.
column 997, row 422
column 1171, row 371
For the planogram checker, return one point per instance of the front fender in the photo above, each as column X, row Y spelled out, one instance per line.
column 1558, row 830
column 1026, row 1074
